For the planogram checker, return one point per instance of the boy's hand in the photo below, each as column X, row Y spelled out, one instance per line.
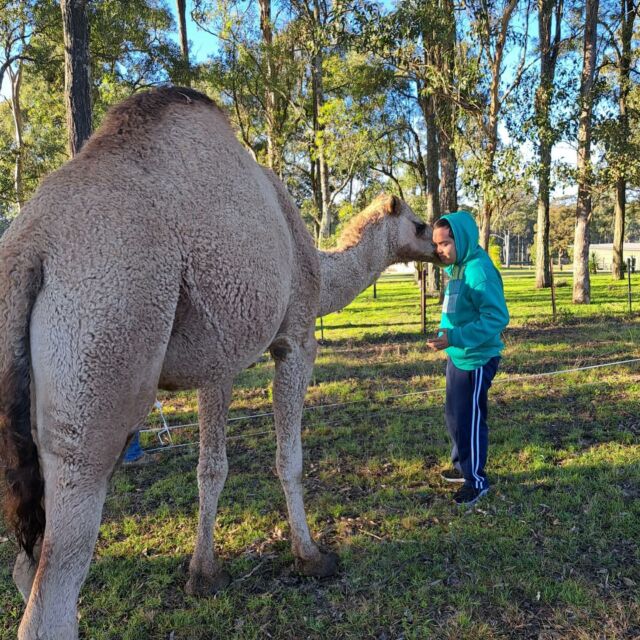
column 439, row 343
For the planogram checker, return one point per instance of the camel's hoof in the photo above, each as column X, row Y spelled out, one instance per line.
column 200, row 584
column 325, row 565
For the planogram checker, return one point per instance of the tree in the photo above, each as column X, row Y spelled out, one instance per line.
column 581, row 281
column 493, row 27
column 447, row 112
column 131, row 48
column 16, row 26
column 623, row 64
column 562, row 229
column 181, row 8
column 77, row 86
column 549, row 31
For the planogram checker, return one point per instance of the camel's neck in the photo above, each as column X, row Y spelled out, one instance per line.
column 347, row 272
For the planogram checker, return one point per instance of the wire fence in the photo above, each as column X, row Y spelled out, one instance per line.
column 164, row 433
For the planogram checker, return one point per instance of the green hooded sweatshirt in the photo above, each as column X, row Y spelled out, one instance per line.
column 474, row 309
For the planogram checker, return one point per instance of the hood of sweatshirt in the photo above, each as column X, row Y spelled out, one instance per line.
column 465, row 234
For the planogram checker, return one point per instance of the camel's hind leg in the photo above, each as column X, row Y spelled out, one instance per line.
column 205, row 575
column 75, row 489
column 293, row 371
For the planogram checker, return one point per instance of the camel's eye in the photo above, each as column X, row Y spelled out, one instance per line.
column 420, row 228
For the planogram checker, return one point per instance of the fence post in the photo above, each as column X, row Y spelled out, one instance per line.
column 629, row 282
column 553, row 290
column 423, row 300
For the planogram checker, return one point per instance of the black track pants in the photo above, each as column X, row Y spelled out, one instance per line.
column 466, row 417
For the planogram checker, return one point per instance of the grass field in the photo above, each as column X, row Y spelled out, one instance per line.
column 552, row 553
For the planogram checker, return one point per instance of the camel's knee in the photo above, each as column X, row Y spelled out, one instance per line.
column 24, row 571
column 213, row 472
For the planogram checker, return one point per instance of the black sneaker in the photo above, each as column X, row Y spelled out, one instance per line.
column 467, row 496
column 452, row 475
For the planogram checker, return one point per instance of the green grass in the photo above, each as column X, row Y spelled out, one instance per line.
column 551, row 553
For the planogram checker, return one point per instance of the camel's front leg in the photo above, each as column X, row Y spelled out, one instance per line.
column 293, row 371
column 205, row 575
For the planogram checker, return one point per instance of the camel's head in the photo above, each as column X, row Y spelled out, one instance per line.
column 409, row 236
column 412, row 235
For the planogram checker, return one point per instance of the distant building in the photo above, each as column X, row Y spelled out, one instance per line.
column 604, row 254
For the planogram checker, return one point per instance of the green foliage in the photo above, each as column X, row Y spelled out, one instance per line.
column 494, row 253
column 130, row 47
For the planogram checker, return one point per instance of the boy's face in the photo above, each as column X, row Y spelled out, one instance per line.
column 445, row 245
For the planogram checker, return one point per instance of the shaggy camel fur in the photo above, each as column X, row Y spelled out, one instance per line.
column 161, row 256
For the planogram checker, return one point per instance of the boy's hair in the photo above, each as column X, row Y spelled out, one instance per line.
column 441, row 223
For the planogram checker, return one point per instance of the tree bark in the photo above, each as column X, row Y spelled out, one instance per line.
column 433, row 179
column 446, row 118
column 491, row 124
column 323, row 197
column 619, row 209
column 548, row 57
column 181, row 6
column 448, row 177
column 486, row 211
column 16, row 111
column 581, row 281
column 77, row 84
column 273, row 147
column 624, row 73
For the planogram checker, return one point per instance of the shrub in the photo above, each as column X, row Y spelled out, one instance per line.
column 494, row 254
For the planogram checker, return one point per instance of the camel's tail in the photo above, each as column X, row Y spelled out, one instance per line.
column 20, row 281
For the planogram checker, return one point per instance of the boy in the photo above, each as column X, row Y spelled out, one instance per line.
column 474, row 314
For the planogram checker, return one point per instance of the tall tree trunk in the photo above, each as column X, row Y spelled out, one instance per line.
column 16, row 111
column 543, row 260
column 491, row 124
column 581, row 281
column 77, row 84
column 448, row 177
column 273, row 150
column 323, row 196
column 327, row 218
column 433, row 179
column 548, row 57
column 323, row 168
column 486, row 210
column 181, row 6
column 619, row 209
column 446, row 117
column 488, row 169
column 624, row 71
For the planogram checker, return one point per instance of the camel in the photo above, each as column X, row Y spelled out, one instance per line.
column 161, row 256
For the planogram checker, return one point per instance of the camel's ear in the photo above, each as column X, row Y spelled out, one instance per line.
column 395, row 206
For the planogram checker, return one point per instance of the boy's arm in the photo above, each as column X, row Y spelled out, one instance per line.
column 488, row 298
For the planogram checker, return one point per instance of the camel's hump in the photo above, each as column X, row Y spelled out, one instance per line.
column 137, row 115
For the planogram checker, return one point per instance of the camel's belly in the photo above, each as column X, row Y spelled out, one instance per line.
column 205, row 349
